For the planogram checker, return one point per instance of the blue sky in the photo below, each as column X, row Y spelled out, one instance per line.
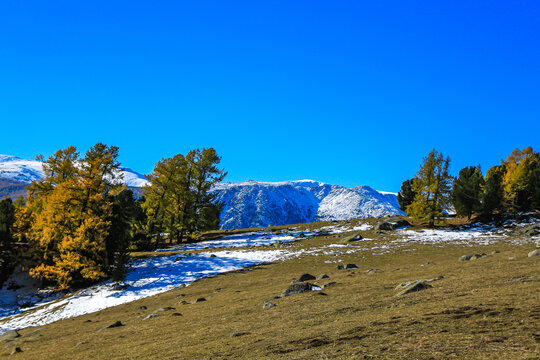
column 346, row 92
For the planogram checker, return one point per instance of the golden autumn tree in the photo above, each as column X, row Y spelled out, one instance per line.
column 518, row 180
column 71, row 209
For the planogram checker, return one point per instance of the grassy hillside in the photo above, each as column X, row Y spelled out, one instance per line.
column 488, row 308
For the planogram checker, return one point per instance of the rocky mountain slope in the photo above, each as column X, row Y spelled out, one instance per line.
column 254, row 204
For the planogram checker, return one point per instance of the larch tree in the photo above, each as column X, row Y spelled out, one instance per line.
column 432, row 187
column 518, row 184
column 71, row 215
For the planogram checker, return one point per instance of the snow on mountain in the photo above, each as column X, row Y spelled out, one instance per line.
column 256, row 204
column 14, row 168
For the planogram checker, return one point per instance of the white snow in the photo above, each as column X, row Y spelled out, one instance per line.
column 239, row 240
column 148, row 277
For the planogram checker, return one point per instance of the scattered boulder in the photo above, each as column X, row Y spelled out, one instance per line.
column 113, row 325
column 306, row 276
column 392, row 225
column 16, row 350
column 180, row 295
column 9, row 335
column 81, row 343
column 296, row 288
column 151, row 316
column 199, row 300
column 408, row 283
column 527, row 230
column 238, row 333
column 167, row 308
column 176, row 314
column 300, row 236
column 341, row 267
column 331, row 283
column 534, row 253
column 213, row 255
column 268, row 305
column 323, row 276
column 183, row 302
column 351, row 239
column 413, row 287
column 142, row 307
column 471, row 257
column 372, row 271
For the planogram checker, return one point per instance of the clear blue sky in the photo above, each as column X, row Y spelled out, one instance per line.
column 346, row 92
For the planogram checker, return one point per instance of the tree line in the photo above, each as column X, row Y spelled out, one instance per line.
column 513, row 186
column 79, row 222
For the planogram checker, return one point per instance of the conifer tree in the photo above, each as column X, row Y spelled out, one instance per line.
column 70, row 211
column 467, row 191
column 492, row 198
column 7, row 251
column 178, row 200
column 432, row 185
column 518, row 179
column 406, row 194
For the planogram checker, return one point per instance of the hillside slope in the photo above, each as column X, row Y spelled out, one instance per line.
column 254, row 204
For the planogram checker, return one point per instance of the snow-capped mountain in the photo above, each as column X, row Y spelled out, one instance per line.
column 255, row 204
column 25, row 171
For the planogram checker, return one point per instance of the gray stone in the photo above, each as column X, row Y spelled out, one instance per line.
column 300, row 236
column 351, row 266
column 238, row 333
column 331, row 283
column 199, row 300
column 16, row 350
column 268, row 305
column 534, row 253
column 305, row 277
column 392, row 225
column 415, row 286
column 351, row 239
column 113, row 325
column 140, row 308
column 183, row 302
column 81, row 343
column 323, row 276
column 471, row 257
column 296, row 288
column 151, row 316
column 372, row 271
column 167, row 308
column 9, row 335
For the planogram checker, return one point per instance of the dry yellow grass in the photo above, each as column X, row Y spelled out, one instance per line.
column 475, row 312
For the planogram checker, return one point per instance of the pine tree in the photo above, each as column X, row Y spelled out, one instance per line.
column 7, row 250
column 467, row 191
column 120, row 236
column 406, row 194
column 432, row 187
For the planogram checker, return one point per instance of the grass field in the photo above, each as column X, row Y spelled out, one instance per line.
column 487, row 308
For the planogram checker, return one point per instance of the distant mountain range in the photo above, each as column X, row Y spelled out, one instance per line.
column 250, row 203
column 255, row 204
